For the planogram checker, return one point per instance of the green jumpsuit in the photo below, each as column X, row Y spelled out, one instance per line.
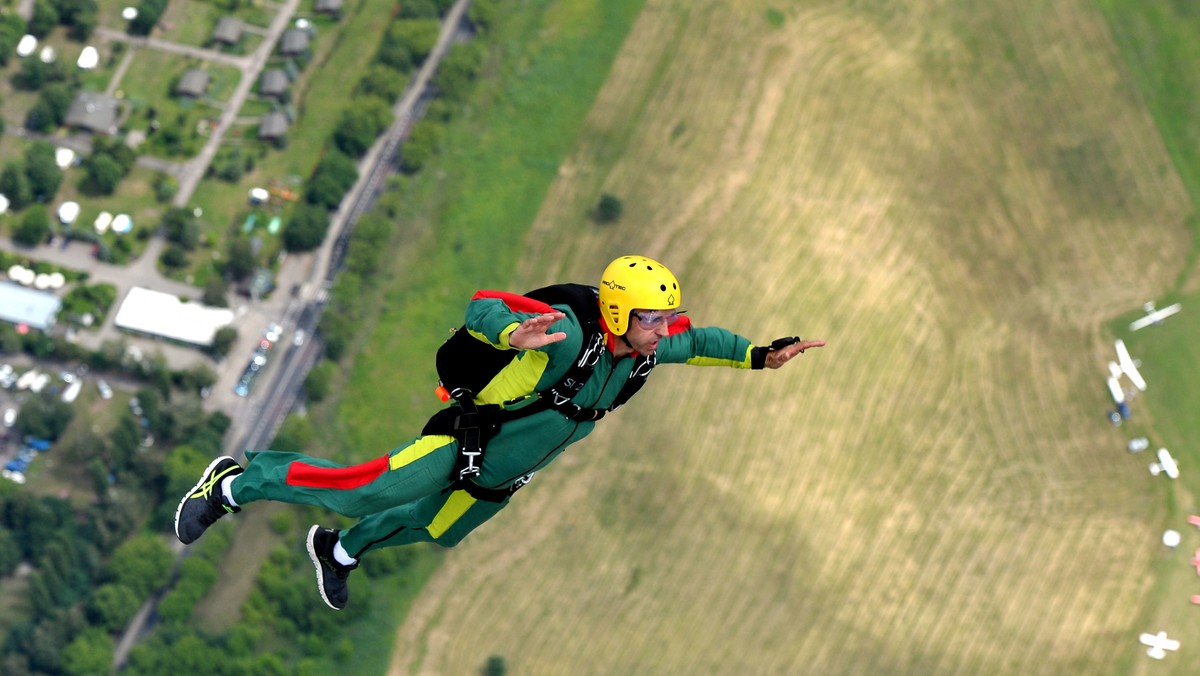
column 405, row 496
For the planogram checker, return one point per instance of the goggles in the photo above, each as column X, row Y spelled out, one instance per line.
column 652, row 319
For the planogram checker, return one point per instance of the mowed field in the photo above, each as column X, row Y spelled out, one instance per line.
column 958, row 197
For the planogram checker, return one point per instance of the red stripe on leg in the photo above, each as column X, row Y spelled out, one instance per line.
column 341, row 478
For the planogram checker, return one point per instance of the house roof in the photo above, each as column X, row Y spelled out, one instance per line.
column 193, row 83
column 294, row 41
column 20, row 305
column 274, row 82
column 163, row 314
column 94, row 112
column 228, row 30
column 273, row 125
column 328, row 6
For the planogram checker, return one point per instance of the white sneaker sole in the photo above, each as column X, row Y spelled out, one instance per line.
column 312, row 554
column 212, row 465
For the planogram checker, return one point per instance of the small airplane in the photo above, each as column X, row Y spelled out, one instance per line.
column 1128, row 366
column 1153, row 316
column 1166, row 465
column 1118, row 394
column 1159, row 644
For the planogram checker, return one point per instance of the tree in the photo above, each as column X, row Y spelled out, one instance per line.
column 306, row 229
column 34, row 227
column 419, row 9
column 31, row 76
column 360, row 125
column 294, row 434
column 89, row 653
column 334, row 175
column 495, row 666
column 224, row 339
column 383, row 82
column 456, row 73
column 111, row 607
column 165, row 187
column 141, row 564
column 12, row 27
column 80, row 15
column 57, row 98
column 609, row 209
column 408, row 42
column 174, row 257
column 10, row 552
column 45, row 417
column 215, row 291
column 318, row 381
column 181, row 227
column 42, row 170
column 43, row 19
column 149, row 12
column 241, row 259
column 14, row 184
column 103, row 174
column 420, row 147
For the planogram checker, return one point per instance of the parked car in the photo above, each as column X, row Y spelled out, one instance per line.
column 105, row 390
column 10, row 417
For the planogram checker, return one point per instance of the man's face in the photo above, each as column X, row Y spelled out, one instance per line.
column 647, row 327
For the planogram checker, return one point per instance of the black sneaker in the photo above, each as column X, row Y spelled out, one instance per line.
column 331, row 575
column 204, row 504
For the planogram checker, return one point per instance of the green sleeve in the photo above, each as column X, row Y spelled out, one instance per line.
column 708, row 346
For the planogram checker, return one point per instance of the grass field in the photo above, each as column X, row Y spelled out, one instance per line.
column 959, row 198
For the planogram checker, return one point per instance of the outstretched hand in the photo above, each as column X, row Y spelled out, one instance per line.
column 531, row 333
column 777, row 358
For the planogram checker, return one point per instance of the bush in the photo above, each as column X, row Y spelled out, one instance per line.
column 306, row 229
column 34, row 227
column 609, row 209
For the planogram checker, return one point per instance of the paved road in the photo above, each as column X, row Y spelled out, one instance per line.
column 216, row 56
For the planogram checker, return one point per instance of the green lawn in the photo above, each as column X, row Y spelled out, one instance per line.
column 1160, row 45
column 148, row 87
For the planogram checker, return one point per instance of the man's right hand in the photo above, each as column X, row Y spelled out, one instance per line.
column 531, row 333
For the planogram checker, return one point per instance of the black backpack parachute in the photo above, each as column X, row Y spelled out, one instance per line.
column 466, row 365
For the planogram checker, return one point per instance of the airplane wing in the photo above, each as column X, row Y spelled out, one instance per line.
column 1154, row 317
column 1114, row 388
column 1168, row 463
column 1127, row 365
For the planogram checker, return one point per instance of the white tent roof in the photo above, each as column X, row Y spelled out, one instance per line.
column 88, row 58
column 26, row 46
column 64, row 157
column 161, row 314
column 20, row 305
column 122, row 224
column 102, row 222
column 68, row 212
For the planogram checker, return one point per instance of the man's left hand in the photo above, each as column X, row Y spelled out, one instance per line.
column 777, row 358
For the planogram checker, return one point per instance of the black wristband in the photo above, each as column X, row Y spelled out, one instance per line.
column 758, row 355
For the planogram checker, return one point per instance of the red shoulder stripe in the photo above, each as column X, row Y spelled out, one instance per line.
column 515, row 302
column 682, row 324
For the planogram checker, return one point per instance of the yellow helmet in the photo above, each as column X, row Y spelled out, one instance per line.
column 635, row 283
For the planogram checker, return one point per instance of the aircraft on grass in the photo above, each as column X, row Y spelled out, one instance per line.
column 1153, row 316
column 1166, row 465
column 1124, row 366
column 1128, row 366
column 1159, row 644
